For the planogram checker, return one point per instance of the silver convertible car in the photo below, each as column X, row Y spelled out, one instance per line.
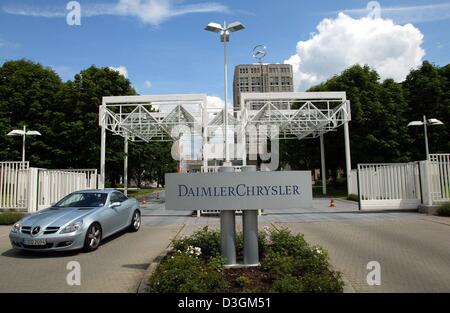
column 79, row 221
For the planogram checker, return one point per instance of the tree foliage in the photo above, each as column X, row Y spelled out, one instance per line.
column 380, row 115
column 67, row 115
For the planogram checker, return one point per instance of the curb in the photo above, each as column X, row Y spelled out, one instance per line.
column 150, row 269
column 142, row 287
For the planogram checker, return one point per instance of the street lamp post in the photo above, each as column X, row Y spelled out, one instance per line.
column 24, row 133
column 224, row 31
column 425, row 123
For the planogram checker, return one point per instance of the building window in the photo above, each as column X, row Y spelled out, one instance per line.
column 273, row 81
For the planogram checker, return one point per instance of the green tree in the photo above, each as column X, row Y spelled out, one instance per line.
column 81, row 134
column 29, row 95
column 428, row 90
column 378, row 131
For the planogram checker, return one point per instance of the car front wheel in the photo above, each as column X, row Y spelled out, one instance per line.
column 135, row 221
column 93, row 237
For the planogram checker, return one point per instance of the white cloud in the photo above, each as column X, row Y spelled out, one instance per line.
column 152, row 12
column 408, row 14
column 393, row 50
column 215, row 102
column 121, row 69
column 148, row 84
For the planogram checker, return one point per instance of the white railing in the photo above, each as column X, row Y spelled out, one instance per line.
column 31, row 189
column 14, row 185
column 389, row 186
column 55, row 184
column 439, row 178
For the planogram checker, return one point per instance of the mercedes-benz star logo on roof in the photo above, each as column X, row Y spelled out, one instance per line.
column 259, row 52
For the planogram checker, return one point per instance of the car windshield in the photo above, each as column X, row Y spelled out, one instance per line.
column 83, row 200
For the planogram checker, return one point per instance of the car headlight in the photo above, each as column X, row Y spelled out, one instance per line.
column 72, row 227
column 16, row 228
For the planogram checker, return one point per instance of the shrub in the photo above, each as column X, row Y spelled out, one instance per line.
column 207, row 240
column 9, row 218
column 444, row 210
column 285, row 243
column 353, row 197
column 297, row 267
column 288, row 264
column 287, row 284
column 326, row 282
column 184, row 273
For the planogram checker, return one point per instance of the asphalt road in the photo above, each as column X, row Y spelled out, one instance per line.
column 117, row 266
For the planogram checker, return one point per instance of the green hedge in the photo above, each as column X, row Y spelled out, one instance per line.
column 444, row 210
column 9, row 218
column 288, row 262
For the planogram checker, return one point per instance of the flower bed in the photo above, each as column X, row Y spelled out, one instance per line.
column 288, row 264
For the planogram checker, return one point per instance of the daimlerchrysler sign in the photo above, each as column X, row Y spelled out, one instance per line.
column 243, row 191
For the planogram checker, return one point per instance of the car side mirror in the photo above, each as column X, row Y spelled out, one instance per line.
column 52, row 204
column 114, row 205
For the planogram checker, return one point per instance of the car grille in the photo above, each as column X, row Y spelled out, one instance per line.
column 50, row 230
column 26, row 230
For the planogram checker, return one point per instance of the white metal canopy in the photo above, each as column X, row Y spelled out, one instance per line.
column 298, row 115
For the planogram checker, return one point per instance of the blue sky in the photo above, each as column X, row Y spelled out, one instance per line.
column 170, row 49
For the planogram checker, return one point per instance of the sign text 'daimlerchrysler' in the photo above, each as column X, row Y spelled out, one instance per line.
column 243, row 191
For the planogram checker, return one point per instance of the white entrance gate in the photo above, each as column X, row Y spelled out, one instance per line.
column 14, row 185
column 437, row 184
column 389, row 186
column 25, row 188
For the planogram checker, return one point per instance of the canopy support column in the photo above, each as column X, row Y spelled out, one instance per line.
column 101, row 180
column 323, row 173
column 348, row 161
column 125, row 166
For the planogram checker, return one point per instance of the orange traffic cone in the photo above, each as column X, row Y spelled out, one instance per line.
column 332, row 204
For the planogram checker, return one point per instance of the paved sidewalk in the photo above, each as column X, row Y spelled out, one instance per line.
column 117, row 266
column 414, row 253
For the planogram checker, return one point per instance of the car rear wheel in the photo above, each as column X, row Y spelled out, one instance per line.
column 135, row 221
column 93, row 237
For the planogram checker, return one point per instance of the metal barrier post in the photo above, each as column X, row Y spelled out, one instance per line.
column 250, row 228
column 228, row 230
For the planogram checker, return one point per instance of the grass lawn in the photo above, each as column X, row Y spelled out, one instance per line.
column 9, row 218
column 142, row 192
column 332, row 191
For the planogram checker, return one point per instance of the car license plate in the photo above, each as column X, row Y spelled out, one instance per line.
column 35, row 242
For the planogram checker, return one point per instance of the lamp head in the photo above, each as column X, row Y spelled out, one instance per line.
column 415, row 123
column 214, row 27
column 235, row 26
column 16, row 132
column 434, row 121
column 33, row 133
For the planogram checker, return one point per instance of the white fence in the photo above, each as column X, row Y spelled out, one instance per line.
column 437, row 180
column 31, row 189
column 14, row 185
column 389, row 186
column 52, row 185
column 404, row 185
